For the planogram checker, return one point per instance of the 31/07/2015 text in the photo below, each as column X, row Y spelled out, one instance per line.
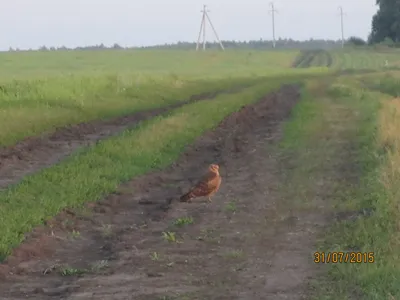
column 344, row 257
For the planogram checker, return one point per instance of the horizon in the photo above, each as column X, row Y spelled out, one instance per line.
column 109, row 46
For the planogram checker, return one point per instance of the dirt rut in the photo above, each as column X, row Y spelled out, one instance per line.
column 241, row 246
column 36, row 153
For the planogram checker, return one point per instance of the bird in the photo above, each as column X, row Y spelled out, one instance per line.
column 206, row 187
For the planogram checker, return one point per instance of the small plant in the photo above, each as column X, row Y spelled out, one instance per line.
column 106, row 230
column 231, row 206
column 67, row 223
column 75, row 234
column 183, row 221
column 68, row 271
column 206, row 234
column 234, row 254
column 154, row 256
column 100, row 265
column 169, row 236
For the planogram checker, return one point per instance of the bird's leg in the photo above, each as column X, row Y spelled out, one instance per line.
column 209, row 199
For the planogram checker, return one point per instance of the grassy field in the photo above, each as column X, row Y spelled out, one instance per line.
column 97, row 171
column 343, row 120
column 356, row 109
column 40, row 91
column 348, row 59
column 366, row 59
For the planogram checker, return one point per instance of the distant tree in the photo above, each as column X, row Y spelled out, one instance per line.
column 387, row 42
column 116, row 46
column 356, row 41
column 386, row 22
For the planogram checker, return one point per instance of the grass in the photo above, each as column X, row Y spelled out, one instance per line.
column 170, row 236
column 69, row 271
column 29, row 108
column 40, row 91
column 155, row 256
column 28, row 65
column 350, row 123
column 359, row 112
column 97, row 171
column 231, row 207
column 365, row 59
column 349, row 59
column 183, row 221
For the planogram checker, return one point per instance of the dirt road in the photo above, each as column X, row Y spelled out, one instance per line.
column 247, row 244
column 36, row 153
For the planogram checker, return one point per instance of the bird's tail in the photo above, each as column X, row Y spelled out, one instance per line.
column 186, row 197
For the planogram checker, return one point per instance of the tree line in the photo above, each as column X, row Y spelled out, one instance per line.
column 252, row 44
column 386, row 23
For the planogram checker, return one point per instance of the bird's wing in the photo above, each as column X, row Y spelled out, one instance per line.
column 206, row 185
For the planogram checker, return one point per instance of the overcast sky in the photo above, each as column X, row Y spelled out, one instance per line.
column 32, row 23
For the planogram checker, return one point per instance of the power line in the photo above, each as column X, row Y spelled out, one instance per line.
column 273, row 11
column 203, row 29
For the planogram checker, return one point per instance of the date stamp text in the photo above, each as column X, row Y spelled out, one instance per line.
column 344, row 257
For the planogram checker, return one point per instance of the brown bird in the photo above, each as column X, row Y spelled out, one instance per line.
column 206, row 187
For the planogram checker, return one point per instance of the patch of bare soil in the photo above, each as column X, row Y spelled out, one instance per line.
column 241, row 246
column 36, row 153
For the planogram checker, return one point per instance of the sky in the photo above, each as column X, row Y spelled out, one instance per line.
column 31, row 24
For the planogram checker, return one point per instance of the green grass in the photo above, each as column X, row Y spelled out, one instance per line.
column 183, row 221
column 28, row 108
column 97, row 171
column 349, row 115
column 349, row 59
column 365, row 58
column 40, row 91
column 367, row 233
column 28, row 65
column 313, row 58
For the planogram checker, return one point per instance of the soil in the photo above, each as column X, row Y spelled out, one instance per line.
column 36, row 153
column 243, row 245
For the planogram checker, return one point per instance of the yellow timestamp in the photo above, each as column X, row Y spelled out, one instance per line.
column 344, row 257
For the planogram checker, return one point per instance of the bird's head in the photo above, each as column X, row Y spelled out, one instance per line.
column 214, row 168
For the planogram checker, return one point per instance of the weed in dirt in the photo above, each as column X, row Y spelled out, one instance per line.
column 106, row 230
column 75, row 234
column 170, row 236
column 155, row 256
column 183, row 221
column 67, row 223
column 231, row 207
column 99, row 265
column 209, row 235
column 69, row 271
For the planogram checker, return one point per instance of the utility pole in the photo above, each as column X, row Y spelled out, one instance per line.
column 341, row 24
column 273, row 10
column 203, row 29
